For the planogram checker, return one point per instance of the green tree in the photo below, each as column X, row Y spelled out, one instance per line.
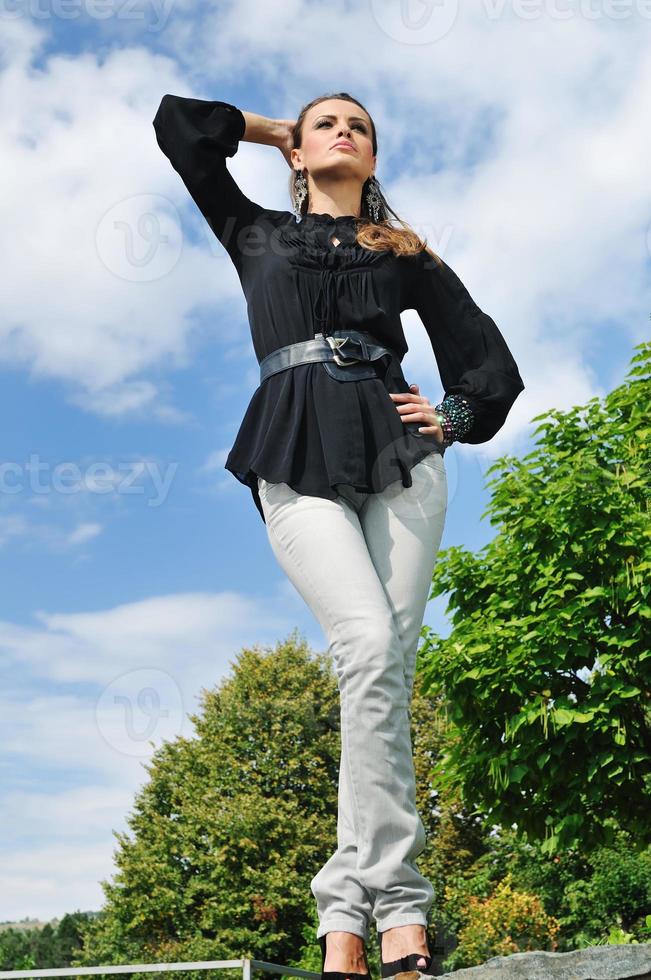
column 42, row 947
column 15, row 949
column 68, row 939
column 616, row 891
column 232, row 824
column 545, row 674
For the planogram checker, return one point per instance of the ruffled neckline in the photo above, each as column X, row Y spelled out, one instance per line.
column 316, row 216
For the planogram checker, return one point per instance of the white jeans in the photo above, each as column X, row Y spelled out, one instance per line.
column 363, row 563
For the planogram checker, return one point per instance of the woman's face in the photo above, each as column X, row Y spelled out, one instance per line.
column 336, row 121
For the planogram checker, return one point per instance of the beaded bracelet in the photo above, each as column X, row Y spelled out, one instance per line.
column 456, row 418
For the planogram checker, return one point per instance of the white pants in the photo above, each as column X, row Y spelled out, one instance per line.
column 364, row 563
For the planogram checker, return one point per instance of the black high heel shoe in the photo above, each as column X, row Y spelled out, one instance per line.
column 338, row 974
column 406, row 968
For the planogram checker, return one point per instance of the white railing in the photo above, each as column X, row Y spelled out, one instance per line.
column 245, row 965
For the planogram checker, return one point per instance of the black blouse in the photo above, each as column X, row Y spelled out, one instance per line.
column 303, row 427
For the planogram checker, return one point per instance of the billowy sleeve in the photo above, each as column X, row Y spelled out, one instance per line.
column 197, row 136
column 478, row 372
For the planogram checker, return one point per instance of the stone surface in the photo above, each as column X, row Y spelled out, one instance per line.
column 632, row 962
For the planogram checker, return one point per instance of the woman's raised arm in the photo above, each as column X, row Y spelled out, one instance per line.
column 197, row 135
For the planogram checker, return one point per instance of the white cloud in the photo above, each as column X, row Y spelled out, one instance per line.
column 78, row 148
column 78, row 814
column 170, row 633
column 54, row 878
column 84, row 532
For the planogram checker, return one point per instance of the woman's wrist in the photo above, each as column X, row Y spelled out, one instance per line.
column 455, row 418
column 263, row 129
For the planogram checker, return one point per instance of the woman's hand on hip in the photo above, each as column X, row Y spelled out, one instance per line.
column 414, row 407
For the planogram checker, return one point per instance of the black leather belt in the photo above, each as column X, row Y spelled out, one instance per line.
column 348, row 355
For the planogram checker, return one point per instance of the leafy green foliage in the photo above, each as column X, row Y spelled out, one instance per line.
column 615, row 890
column 546, row 672
column 507, row 921
column 43, row 947
column 589, row 896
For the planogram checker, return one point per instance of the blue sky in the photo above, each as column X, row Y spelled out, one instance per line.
column 513, row 136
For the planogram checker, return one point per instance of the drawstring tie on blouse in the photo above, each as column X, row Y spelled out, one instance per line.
column 326, row 300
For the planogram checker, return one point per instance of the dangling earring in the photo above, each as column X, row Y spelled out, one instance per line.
column 299, row 192
column 373, row 198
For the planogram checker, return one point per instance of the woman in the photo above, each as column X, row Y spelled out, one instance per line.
column 346, row 464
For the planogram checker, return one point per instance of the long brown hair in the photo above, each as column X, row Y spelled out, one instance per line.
column 374, row 235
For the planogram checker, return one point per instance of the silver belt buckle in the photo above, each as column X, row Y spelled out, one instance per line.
column 335, row 344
